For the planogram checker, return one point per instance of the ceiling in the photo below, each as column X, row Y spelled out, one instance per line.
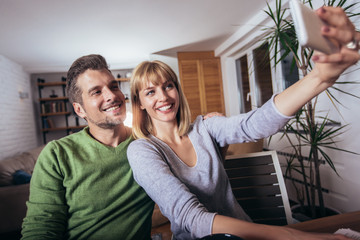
column 48, row 35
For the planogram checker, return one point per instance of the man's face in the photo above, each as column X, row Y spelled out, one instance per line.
column 103, row 104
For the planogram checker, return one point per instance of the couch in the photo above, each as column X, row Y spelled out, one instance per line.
column 14, row 192
column 13, row 195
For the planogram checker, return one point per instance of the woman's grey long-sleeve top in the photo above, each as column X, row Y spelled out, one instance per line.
column 191, row 196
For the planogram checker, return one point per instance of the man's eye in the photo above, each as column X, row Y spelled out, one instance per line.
column 116, row 87
column 95, row 92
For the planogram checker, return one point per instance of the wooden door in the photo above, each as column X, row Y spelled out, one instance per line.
column 212, row 81
column 200, row 78
column 191, row 85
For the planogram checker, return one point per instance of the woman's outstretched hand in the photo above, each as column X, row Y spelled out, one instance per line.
column 328, row 68
column 340, row 30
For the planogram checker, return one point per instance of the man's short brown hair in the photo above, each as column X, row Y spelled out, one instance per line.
column 92, row 62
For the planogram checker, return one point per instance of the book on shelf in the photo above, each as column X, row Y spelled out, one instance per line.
column 52, row 107
column 48, row 123
column 45, row 123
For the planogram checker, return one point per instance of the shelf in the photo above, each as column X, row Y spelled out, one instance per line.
column 122, row 79
column 62, row 128
column 53, row 99
column 54, row 114
column 49, row 84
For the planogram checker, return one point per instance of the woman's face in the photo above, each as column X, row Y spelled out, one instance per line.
column 161, row 102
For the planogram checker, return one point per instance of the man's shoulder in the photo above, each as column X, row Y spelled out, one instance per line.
column 72, row 140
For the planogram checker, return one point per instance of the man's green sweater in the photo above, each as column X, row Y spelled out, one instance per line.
column 82, row 189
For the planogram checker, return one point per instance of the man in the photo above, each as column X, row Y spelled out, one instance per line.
column 82, row 186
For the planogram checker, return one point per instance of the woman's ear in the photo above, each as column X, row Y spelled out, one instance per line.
column 140, row 105
column 79, row 110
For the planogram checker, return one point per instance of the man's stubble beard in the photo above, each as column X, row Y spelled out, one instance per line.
column 107, row 124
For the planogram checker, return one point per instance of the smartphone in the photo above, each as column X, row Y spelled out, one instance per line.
column 307, row 26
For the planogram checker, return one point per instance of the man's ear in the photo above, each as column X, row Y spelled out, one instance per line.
column 79, row 110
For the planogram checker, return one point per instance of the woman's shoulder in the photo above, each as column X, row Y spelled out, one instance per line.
column 213, row 121
column 198, row 121
column 147, row 149
column 137, row 147
column 139, row 142
column 145, row 144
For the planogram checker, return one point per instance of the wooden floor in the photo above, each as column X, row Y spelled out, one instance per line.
column 163, row 230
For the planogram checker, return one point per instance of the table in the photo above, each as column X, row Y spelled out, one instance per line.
column 330, row 224
column 322, row 225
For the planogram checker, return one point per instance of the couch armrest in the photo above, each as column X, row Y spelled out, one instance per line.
column 13, row 206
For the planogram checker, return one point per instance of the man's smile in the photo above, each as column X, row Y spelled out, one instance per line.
column 112, row 108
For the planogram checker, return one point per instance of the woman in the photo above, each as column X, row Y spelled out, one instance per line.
column 179, row 165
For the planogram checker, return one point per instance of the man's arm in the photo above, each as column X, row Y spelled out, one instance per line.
column 46, row 216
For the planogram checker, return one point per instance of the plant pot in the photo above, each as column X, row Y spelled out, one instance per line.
column 302, row 215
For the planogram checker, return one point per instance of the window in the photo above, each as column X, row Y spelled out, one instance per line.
column 255, row 73
column 262, row 71
column 289, row 70
column 243, row 84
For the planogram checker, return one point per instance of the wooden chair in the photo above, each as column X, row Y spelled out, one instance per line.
column 258, row 185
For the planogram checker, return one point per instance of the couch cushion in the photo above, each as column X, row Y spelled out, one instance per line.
column 21, row 177
column 24, row 161
column 10, row 165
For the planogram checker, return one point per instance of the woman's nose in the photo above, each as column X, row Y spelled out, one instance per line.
column 163, row 95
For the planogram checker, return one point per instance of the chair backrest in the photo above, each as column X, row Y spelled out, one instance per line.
column 258, row 185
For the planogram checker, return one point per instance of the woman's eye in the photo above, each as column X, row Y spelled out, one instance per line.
column 170, row 86
column 151, row 92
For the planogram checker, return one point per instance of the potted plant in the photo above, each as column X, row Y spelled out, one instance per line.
column 309, row 130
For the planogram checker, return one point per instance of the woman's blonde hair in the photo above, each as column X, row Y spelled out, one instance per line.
column 154, row 72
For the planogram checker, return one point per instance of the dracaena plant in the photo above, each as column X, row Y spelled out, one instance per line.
column 308, row 130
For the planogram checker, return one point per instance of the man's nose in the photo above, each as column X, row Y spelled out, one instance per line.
column 109, row 95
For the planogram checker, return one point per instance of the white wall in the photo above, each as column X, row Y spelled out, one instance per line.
column 17, row 131
column 171, row 61
column 344, row 191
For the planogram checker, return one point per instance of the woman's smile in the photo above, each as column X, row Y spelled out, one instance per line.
column 165, row 108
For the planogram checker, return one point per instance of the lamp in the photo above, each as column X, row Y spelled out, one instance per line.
column 23, row 95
